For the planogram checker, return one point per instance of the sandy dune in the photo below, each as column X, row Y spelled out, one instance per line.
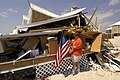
column 89, row 75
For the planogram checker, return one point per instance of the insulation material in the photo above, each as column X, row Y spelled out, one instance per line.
column 96, row 45
column 30, row 43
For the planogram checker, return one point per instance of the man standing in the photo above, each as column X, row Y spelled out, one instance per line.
column 76, row 52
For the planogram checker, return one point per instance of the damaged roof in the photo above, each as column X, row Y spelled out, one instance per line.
column 41, row 10
column 59, row 18
column 45, row 22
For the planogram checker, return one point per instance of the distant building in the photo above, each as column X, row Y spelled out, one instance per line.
column 115, row 28
column 108, row 34
column 109, row 30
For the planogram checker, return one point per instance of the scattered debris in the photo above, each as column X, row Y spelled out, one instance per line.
column 37, row 42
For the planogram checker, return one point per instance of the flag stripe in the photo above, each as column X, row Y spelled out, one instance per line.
column 58, row 56
column 65, row 53
column 63, row 56
column 63, row 49
column 65, row 45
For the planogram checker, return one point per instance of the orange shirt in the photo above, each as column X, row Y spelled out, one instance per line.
column 77, row 49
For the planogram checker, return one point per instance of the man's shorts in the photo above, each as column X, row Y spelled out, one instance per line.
column 75, row 58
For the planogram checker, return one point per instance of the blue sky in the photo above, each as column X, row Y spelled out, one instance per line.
column 11, row 11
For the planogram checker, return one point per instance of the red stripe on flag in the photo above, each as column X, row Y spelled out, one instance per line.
column 58, row 57
column 62, row 53
column 65, row 48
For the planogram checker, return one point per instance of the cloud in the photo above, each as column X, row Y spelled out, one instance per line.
column 102, row 18
column 4, row 14
column 12, row 10
column 105, row 25
column 113, row 2
column 65, row 11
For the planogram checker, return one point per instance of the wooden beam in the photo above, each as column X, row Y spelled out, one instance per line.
column 90, row 22
column 78, row 21
column 71, row 25
column 92, row 16
column 27, row 62
column 40, row 30
column 100, row 59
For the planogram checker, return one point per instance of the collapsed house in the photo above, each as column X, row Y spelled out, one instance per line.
column 37, row 41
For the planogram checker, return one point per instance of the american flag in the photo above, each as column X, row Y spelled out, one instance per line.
column 63, row 49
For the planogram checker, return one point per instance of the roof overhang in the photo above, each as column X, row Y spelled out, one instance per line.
column 72, row 12
column 109, row 28
column 16, row 36
column 68, row 15
column 45, row 22
column 116, row 24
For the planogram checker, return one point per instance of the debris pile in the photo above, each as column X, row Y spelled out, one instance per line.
column 37, row 42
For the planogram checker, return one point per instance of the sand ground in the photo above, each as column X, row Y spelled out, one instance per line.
column 89, row 75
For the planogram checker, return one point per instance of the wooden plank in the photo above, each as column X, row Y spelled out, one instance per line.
column 90, row 22
column 90, row 33
column 53, row 46
column 96, row 45
column 100, row 59
column 30, row 43
column 27, row 62
column 43, row 40
column 60, row 28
